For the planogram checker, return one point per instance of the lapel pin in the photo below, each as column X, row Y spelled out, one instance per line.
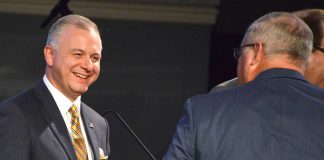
column 91, row 125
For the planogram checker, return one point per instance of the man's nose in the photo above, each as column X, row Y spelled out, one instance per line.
column 87, row 64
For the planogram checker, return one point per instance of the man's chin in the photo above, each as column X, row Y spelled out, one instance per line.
column 81, row 90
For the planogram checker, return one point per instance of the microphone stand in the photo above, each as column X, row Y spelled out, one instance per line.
column 131, row 131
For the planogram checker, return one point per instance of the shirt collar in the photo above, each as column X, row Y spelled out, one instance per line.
column 60, row 99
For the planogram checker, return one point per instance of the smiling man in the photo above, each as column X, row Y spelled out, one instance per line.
column 49, row 121
column 73, row 59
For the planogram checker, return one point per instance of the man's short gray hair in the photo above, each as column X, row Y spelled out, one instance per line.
column 282, row 32
column 73, row 20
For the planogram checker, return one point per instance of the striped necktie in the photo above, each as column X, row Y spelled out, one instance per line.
column 77, row 137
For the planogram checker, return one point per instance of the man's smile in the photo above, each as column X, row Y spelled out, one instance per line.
column 81, row 75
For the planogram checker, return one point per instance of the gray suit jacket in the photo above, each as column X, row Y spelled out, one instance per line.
column 32, row 128
column 227, row 84
column 278, row 116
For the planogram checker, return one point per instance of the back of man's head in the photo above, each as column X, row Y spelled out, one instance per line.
column 282, row 33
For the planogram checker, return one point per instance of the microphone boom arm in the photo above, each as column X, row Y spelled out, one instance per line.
column 131, row 131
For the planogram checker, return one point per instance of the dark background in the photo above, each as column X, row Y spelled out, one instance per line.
column 148, row 68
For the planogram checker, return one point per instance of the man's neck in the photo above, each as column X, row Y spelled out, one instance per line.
column 282, row 61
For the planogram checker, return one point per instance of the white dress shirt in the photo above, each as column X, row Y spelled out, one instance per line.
column 64, row 104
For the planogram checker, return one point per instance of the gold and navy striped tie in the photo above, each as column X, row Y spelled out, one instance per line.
column 77, row 138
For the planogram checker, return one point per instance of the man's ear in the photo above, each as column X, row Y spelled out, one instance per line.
column 258, row 54
column 49, row 55
column 256, row 61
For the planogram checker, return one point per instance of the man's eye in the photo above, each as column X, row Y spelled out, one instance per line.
column 95, row 59
column 77, row 54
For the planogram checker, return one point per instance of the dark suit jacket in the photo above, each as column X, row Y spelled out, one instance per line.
column 278, row 116
column 32, row 128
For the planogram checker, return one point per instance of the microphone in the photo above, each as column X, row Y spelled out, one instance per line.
column 130, row 131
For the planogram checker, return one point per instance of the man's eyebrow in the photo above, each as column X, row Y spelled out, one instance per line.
column 76, row 49
column 82, row 51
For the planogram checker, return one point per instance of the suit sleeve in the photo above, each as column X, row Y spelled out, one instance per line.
column 183, row 142
column 14, row 135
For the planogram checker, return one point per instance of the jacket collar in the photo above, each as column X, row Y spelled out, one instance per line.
column 280, row 73
column 55, row 121
column 54, row 118
column 89, row 128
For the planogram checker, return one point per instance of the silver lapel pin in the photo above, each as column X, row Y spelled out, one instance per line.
column 91, row 125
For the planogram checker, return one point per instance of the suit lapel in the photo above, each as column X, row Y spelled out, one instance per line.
column 54, row 119
column 89, row 128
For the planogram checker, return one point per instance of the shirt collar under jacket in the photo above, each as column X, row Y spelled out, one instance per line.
column 60, row 99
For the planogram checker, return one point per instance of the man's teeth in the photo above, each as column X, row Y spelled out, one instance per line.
column 81, row 75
